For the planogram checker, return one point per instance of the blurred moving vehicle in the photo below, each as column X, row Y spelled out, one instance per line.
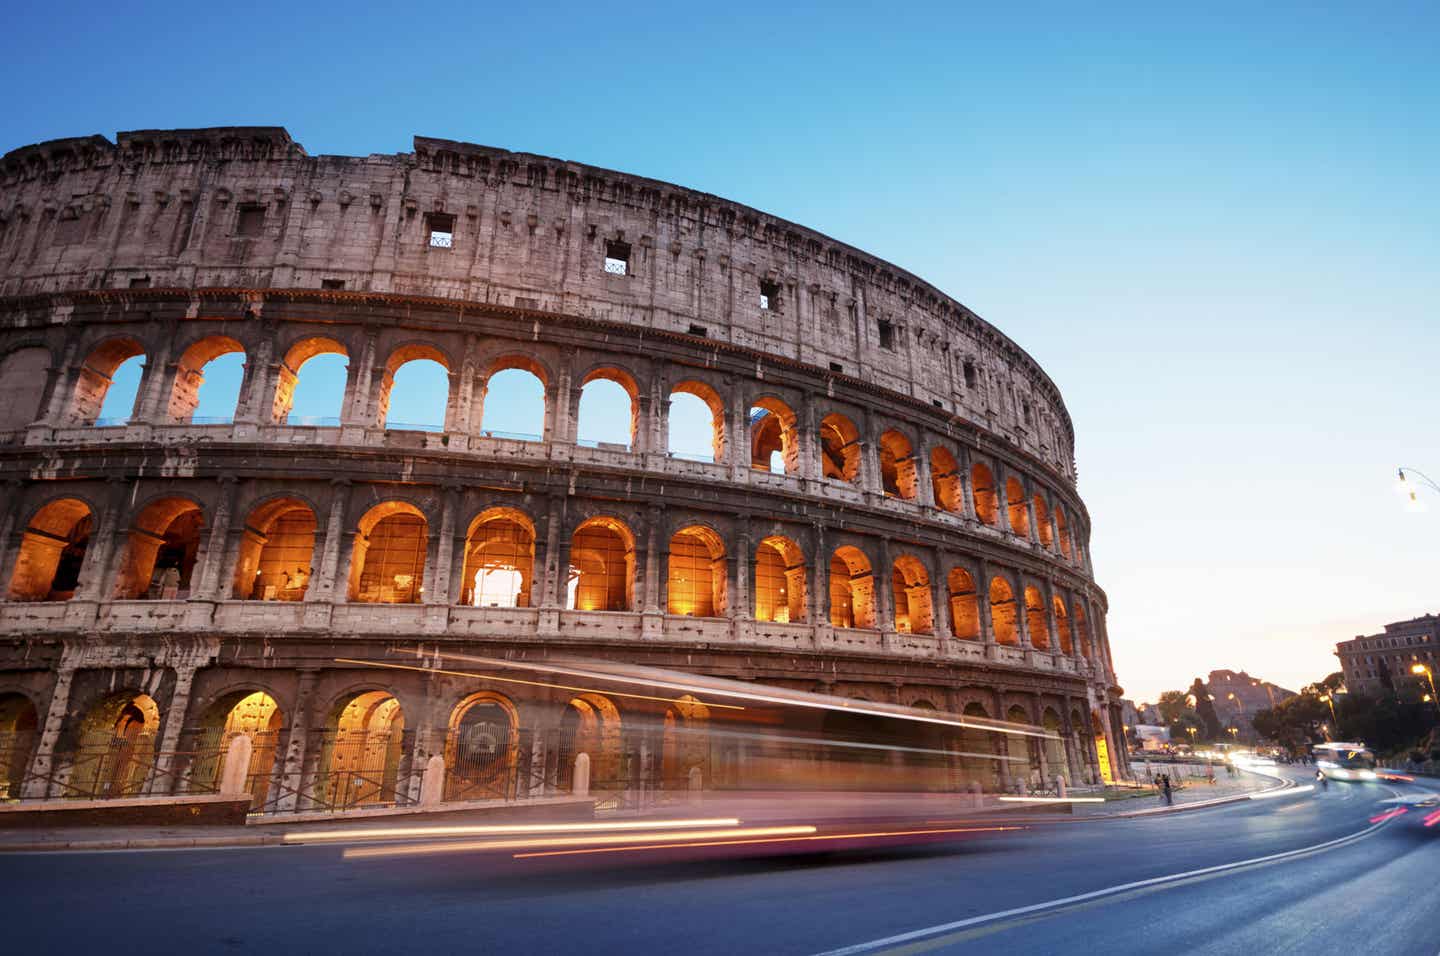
column 1344, row 761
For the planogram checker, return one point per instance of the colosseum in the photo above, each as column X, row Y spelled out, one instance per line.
column 888, row 510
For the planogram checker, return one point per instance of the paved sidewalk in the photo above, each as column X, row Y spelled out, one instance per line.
column 1194, row 792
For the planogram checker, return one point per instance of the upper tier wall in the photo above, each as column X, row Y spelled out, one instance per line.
column 247, row 207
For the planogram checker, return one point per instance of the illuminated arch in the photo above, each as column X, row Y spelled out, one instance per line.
column 945, row 480
column 97, row 372
column 524, row 380
column 1019, row 514
column 898, row 474
column 162, row 548
column 1004, row 619
column 387, row 565
column 401, row 357
column 52, row 552
column 590, row 425
column 964, row 605
column 292, row 374
column 115, row 749
column 685, row 743
column 499, row 560
column 277, row 552
column 914, row 613
column 696, row 582
column 1064, row 525
column 1082, row 630
column 1042, row 522
column 363, row 744
column 601, row 576
column 1062, row 625
column 852, row 589
column 19, row 733
column 987, row 502
column 190, row 374
column 712, row 401
column 591, row 725
column 779, row 580
column 1035, row 620
column 248, row 712
column 839, row 448
column 482, row 748
column 774, row 437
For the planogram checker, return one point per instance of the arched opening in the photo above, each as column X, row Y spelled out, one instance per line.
column 1035, row 621
column 415, row 390
column 1082, row 630
column 311, row 384
column 964, row 605
column 52, row 552
column 774, row 437
column 1018, row 715
column 481, row 748
column 164, row 542
column 19, row 730
column 1042, row 522
column 1054, row 744
column 685, row 744
column 602, row 566
column 107, row 390
column 945, row 480
column 513, row 401
column 910, row 584
column 779, row 580
column 1003, row 613
column 1062, row 625
column 609, row 410
column 499, row 560
column 276, row 551
column 1019, row 513
column 852, row 589
column 115, row 748
column 207, row 382
column 591, row 725
column 696, row 582
column 388, row 563
column 696, row 422
column 839, row 448
column 254, row 714
column 977, row 758
column 1064, row 527
column 897, row 466
column 364, row 741
column 982, row 486
column 22, row 385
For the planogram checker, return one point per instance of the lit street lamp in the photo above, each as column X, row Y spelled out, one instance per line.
column 1423, row 669
column 1407, row 485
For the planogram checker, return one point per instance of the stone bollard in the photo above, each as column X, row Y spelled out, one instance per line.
column 977, row 795
column 696, row 782
column 432, row 782
column 580, row 787
column 1060, row 786
column 237, row 766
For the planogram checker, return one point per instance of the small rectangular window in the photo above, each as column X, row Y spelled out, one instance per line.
column 1025, row 409
column 140, row 282
column 440, row 230
column 617, row 258
column 251, row 221
column 699, row 330
column 333, row 284
column 970, row 376
column 937, row 403
column 887, row 335
column 836, row 367
column 521, row 302
column 769, row 295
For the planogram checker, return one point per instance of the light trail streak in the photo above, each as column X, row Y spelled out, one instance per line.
column 798, row 699
column 508, row 829
column 433, row 849
column 1389, row 814
column 801, row 839
column 1285, row 792
column 1051, row 799
column 1431, row 818
column 530, row 683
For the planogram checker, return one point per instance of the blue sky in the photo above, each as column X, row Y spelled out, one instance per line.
column 1215, row 228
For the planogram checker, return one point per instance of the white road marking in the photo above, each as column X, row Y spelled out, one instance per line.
column 942, row 928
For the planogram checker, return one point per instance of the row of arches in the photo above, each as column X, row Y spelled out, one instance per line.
column 512, row 397
column 392, row 550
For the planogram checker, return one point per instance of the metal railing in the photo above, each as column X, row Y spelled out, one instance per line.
column 513, row 436
column 412, row 427
column 110, row 422
column 313, row 421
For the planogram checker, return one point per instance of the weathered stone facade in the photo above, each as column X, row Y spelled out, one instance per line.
column 925, row 541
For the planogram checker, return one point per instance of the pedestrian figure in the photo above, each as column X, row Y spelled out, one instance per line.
column 1165, row 789
column 1321, row 779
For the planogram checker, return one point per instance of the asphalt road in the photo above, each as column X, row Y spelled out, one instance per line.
column 1378, row 893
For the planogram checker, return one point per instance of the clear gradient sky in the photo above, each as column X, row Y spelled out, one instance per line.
column 1216, row 228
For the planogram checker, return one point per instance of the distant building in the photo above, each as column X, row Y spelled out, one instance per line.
column 1399, row 647
column 1237, row 696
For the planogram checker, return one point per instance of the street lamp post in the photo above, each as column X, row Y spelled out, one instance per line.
column 1333, row 717
column 1424, row 669
column 1409, row 477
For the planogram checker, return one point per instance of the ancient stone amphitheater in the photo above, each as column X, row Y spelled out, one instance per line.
column 890, row 511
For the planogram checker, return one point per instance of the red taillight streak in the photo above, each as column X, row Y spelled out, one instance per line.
column 835, row 836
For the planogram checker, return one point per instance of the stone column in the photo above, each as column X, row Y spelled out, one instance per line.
column 967, row 490
column 106, row 543
column 1030, row 511
column 1022, row 615
column 293, row 753
column 884, row 592
column 742, row 557
column 654, row 571
column 156, row 381
column 554, row 560
column 940, row 599
column 205, row 584
column 1048, row 596
column 323, row 584
column 818, row 600
column 256, row 384
column 924, row 483
column 982, row 602
column 37, row 786
column 12, row 534
column 1002, row 501
column 440, row 550
column 60, row 384
column 644, row 429
column 191, row 660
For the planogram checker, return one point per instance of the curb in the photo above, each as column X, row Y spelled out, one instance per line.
column 145, row 843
